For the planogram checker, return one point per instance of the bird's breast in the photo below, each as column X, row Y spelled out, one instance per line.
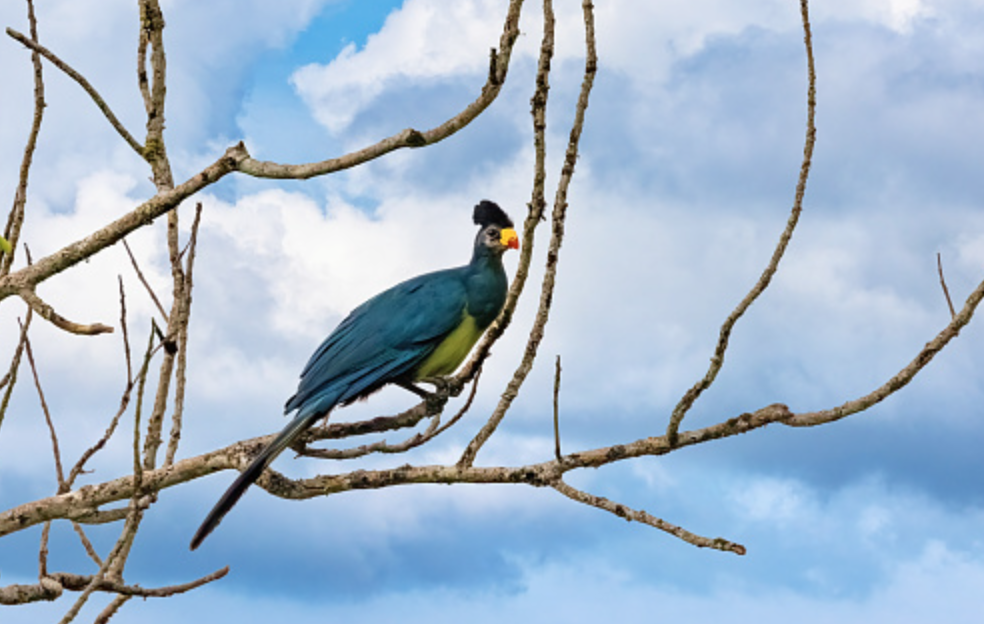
column 451, row 351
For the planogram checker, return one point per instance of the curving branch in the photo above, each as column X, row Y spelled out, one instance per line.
column 408, row 138
column 85, row 502
column 142, row 215
column 15, row 220
column 48, row 313
column 633, row 515
column 32, row 44
column 557, row 230
column 9, row 379
column 54, row 584
column 433, row 407
column 537, row 205
column 717, row 360
column 904, row 376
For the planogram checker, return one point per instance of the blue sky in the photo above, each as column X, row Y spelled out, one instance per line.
column 687, row 171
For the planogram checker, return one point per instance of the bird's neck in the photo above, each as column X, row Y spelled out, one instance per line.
column 486, row 283
column 484, row 260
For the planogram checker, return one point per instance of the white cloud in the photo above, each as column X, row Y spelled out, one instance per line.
column 425, row 40
column 777, row 501
column 317, row 262
column 898, row 15
column 936, row 585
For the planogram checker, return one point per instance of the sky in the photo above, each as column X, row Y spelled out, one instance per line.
column 686, row 174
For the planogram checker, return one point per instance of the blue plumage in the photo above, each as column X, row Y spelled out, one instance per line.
column 422, row 327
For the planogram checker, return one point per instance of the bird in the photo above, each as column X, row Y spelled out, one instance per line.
column 421, row 329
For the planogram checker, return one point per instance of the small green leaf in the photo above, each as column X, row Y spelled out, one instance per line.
column 5, row 245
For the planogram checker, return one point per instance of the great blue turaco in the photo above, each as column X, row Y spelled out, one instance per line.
column 419, row 329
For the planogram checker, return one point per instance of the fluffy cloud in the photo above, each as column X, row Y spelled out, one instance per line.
column 423, row 41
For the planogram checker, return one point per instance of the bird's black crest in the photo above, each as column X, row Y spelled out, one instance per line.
column 489, row 213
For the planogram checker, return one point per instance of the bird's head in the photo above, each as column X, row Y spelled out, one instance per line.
column 497, row 232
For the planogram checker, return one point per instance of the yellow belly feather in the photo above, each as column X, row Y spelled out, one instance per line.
column 452, row 351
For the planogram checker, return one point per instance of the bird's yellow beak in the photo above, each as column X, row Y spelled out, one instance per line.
column 509, row 238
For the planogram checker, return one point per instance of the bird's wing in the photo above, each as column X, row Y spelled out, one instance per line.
column 383, row 339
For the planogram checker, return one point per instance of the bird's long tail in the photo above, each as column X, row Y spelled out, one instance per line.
column 290, row 433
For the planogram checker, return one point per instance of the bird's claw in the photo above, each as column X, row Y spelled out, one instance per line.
column 441, row 384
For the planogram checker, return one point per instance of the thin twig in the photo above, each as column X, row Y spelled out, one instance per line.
column 408, row 138
column 57, row 582
column 86, row 544
column 16, row 218
column 717, row 360
column 125, row 332
column 112, row 567
column 556, row 410
column 903, row 377
column 48, row 313
column 632, row 515
column 10, row 378
column 536, row 207
column 138, row 467
column 43, row 551
column 143, row 280
column 110, row 610
column 79, row 466
column 946, row 291
column 464, row 408
column 59, row 473
column 433, row 430
column 112, row 233
column 82, row 82
column 184, row 310
column 124, row 399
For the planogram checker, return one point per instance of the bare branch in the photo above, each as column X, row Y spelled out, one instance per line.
column 15, row 219
column 434, row 408
column 633, row 515
column 52, row 586
column 903, row 377
column 946, row 291
column 537, row 205
column 112, row 233
column 143, row 280
column 86, row 544
column 124, row 399
column 83, row 503
column 48, row 313
column 717, row 360
column 43, row 551
column 557, row 233
column 9, row 379
column 82, row 82
column 556, row 410
column 407, row 138
column 98, row 446
column 46, row 589
column 59, row 473
column 184, row 310
column 125, row 332
column 110, row 610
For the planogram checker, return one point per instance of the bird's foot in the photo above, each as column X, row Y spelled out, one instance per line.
column 441, row 385
column 406, row 385
column 436, row 399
